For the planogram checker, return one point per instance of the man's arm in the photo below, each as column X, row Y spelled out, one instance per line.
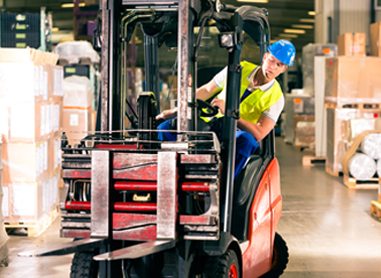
column 205, row 92
column 258, row 130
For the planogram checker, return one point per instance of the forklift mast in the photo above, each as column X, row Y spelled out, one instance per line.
column 133, row 200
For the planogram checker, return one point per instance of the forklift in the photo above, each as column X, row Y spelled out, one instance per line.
column 140, row 207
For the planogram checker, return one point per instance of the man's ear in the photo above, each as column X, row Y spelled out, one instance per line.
column 285, row 68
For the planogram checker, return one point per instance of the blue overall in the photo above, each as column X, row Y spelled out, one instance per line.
column 246, row 143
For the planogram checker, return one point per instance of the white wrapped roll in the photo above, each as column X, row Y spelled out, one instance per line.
column 379, row 168
column 371, row 145
column 362, row 166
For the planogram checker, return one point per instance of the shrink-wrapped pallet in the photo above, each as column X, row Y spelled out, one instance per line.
column 362, row 166
column 371, row 145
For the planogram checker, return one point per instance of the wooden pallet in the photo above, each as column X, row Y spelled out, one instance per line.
column 31, row 229
column 304, row 148
column 310, row 160
column 352, row 183
column 361, row 106
column 375, row 209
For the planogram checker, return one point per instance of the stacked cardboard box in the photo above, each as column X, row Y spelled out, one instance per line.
column 352, row 44
column 353, row 80
column 31, row 106
column 77, row 108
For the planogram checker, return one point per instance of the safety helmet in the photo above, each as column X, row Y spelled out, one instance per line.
column 284, row 51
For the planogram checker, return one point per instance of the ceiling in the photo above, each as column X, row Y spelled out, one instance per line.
column 283, row 14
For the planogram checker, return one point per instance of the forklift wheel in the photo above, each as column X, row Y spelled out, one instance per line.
column 280, row 258
column 83, row 265
column 225, row 266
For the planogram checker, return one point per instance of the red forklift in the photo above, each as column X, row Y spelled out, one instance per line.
column 140, row 207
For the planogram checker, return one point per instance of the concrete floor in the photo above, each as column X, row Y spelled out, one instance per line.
column 327, row 227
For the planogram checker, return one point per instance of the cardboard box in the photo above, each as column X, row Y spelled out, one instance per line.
column 304, row 131
column 25, row 162
column 29, row 203
column 55, row 82
column 296, row 104
column 28, row 121
column 351, row 44
column 25, row 82
column 78, row 92
column 353, row 79
column 27, row 56
column 375, row 39
column 76, row 123
column 54, row 155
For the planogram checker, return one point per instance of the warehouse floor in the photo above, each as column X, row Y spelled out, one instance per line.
column 328, row 228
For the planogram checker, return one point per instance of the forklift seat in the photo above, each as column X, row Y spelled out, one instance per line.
column 246, row 184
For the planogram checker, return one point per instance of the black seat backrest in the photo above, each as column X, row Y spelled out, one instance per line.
column 246, row 184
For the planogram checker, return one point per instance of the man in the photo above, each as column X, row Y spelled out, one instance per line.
column 261, row 99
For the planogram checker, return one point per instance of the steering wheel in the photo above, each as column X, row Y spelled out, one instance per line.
column 206, row 109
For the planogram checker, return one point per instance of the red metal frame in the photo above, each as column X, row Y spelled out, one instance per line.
column 264, row 214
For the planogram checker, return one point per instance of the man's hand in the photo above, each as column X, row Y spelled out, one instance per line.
column 167, row 114
column 220, row 103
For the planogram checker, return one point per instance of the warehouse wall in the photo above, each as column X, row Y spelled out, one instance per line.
column 324, row 11
column 347, row 16
column 354, row 16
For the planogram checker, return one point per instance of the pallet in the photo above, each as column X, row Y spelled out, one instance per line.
column 352, row 183
column 31, row 229
column 375, row 209
column 304, row 148
column 360, row 105
column 310, row 160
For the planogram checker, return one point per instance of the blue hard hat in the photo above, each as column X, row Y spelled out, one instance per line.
column 284, row 51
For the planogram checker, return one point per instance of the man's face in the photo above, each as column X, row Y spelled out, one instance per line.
column 272, row 67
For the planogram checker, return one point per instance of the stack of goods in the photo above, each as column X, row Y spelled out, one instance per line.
column 361, row 162
column 352, row 44
column 365, row 163
column 343, row 125
column 310, row 51
column 352, row 96
column 298, row 128
column 77, row 108
column 31, row 107
column 81, row 85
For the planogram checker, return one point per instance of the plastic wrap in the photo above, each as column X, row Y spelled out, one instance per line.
column 78, row 92
column 75, row 50
column 362, row 166
column 305, row 134
column 308, row 55
column 371, row 145
column 352, row 80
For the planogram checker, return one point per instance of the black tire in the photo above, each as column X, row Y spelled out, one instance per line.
column 280, row 258
column 83, row 265
column 225, row 266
